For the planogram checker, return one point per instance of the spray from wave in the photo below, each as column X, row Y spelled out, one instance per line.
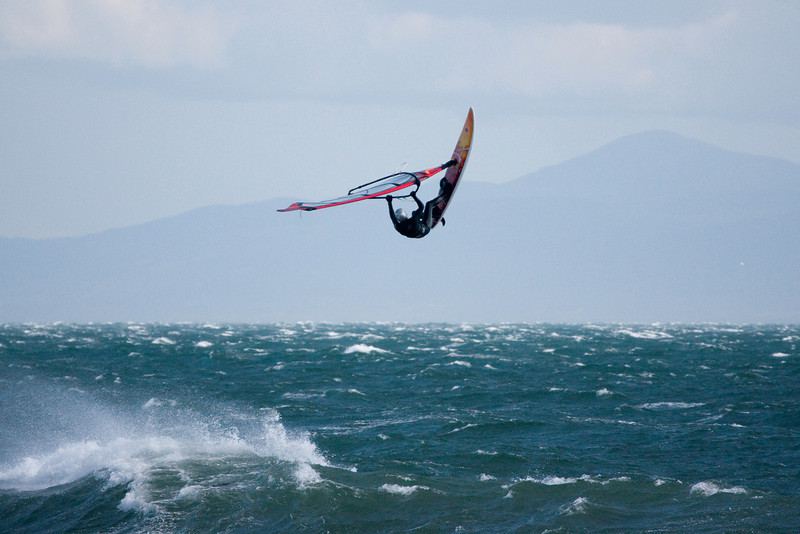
column 159, row 451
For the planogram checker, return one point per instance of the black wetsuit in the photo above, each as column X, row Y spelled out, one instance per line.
column 416, row 226
column 419, row 224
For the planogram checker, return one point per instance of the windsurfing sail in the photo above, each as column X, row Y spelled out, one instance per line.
column 374, row 189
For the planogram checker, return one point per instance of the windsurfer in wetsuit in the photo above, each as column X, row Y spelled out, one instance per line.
column 419, row 223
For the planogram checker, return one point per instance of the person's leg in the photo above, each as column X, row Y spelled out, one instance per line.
column 445, row 187
column 430, row 207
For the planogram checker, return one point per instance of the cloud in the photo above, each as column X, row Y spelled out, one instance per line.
column 149, row 33
column 531, row 58
column 358, row 50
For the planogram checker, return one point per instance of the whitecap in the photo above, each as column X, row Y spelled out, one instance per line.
column 707, row 489
column 203, row 344
column 459, row 429
column 603, row 392
column 136, row 499
column 133, row 461
column 578, row 506
column 189, row 492
column 305, row 475
column 301, row 396
column 152, row 403
column 552, row 480
column 484, row 477
column 163, row 341
column 462, row 363
column 362, row 348
column 401, row 490
column 644, row 334
column 779, row 355
column 669, row 405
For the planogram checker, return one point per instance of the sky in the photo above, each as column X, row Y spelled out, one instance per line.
column 117, row 112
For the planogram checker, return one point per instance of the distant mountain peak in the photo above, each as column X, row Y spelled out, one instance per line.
column 656, row 141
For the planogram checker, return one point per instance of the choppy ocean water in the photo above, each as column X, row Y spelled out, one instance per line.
column 398, row 428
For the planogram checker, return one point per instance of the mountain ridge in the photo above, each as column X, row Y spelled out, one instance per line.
column 710, row 239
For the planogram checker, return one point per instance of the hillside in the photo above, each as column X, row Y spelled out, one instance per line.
column 652, row 227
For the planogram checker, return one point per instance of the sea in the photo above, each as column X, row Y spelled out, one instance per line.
column 388, row 427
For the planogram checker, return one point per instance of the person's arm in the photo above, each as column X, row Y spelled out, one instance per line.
column 391, row 210
column 420, row 206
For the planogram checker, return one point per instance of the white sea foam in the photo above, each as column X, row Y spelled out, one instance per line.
column 669, row 405
column 462, row 363
column 554, row 480
column 484, row 477
column 203, row 344
column 779, row 355
column 301, row 396
column 152, row 403
column 465, row 427
column 644, row 334
column 190, row 492
column 603, row 392
column 578, row 506
column 557, row 481
column 402, row 490
column 305, row 475
column 163, row 341
column 128, row 455
column 362, row 348
column 707, row 489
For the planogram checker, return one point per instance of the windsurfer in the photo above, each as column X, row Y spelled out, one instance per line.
column 418, row 224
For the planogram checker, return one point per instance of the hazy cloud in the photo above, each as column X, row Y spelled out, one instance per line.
column 151, row 33
column 531, row 58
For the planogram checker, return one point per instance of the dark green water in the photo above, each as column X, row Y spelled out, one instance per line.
column 399, row 428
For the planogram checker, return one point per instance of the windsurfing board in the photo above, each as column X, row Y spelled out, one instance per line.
column 453, row 175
